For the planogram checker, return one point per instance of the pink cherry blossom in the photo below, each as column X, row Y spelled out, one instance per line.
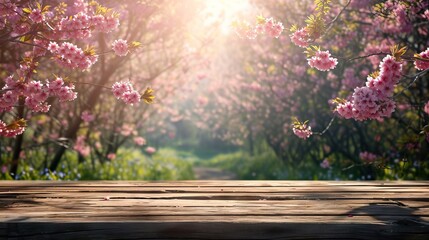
column 150, row 150
column 66, row 93
column 367, row 157
column 345, row 110
column 273, row 28
column 70, row 56
column 53, row 47
column 4, row 169
column 373, row 101
column 323, row 61
column 125, row 91
column 266, row 26
column 423, row 65
column 36, row 16
column 87, row 116
column 6, row 131
column 81, row 147
column 55, row 85
column 139, row 141
column 304, row 131
column 131, row 97
column 245, row 30
column 119, row 88
column 111, row 156
column 325, row 163
column 120, row 47
column 426, row 14
column 300, row 38
column 426, row 108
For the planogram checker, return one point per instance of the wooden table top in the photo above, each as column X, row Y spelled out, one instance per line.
column 214, row 210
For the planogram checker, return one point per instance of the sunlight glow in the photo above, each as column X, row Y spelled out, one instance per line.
column 224, row 12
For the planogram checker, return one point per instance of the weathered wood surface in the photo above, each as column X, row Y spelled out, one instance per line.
column 214, row 210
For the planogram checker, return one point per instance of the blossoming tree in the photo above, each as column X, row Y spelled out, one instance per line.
column 322, row 82
column 80, row 52
column 340, row 68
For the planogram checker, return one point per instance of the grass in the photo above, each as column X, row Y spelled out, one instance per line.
column 128, row 164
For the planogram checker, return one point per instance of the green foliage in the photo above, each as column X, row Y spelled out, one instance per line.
column 315, row 26
column 322, row 6
column 246, row 167
column 128, row 165
column 267, row 166
column 311, row 51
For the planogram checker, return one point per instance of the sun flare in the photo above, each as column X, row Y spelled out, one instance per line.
column 224, row 12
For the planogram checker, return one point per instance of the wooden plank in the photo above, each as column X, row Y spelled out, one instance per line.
column 209, row 230
column 214, row 210
column 337, row 203
column 211, row 189
column 226, row 196
column 205, row 213
column 219, row 183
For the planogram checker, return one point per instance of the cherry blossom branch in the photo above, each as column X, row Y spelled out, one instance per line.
column 416, row 77
column 92, row 84
column 326, row 128
column 29, row 44
column 331, row 23
column 18, row 36
column 365, row 56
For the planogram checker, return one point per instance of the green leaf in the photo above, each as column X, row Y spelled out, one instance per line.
column 26, row 10
column 397, row 52
column 260, row 19
column 293, row 28
column 26, row 38
column 135, row 44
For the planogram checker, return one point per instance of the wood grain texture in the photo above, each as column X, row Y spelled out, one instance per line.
column 214, row 210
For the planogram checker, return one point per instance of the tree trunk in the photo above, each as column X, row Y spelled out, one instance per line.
column 18, row 143
column 105, row 74
column 70, row 134
column 250, row 141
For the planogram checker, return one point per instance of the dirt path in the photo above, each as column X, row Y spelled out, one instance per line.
column 208, row 173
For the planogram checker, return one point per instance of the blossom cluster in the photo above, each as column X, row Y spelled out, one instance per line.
column 124, row 90
column 80, row 25
column 51, row 29
column 120, row 47
column 36, row 15
column 87, row 117
column 367, row 157
column 150, row 150
column 266, row 26
column 35, row 93
column 302, row 130
column 374, row 101
column 272, row 28
column 398, row 20
column 325, row 163
column 322, row 61
column 426, row 14
column 13, row 129
column 245, row 30
column 300, row 38
column 140, row 141
column 423, row 65
column 75, row 21
column 70, row 56
column 81, row 147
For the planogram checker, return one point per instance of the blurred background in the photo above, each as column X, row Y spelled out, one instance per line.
column 224, row 104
